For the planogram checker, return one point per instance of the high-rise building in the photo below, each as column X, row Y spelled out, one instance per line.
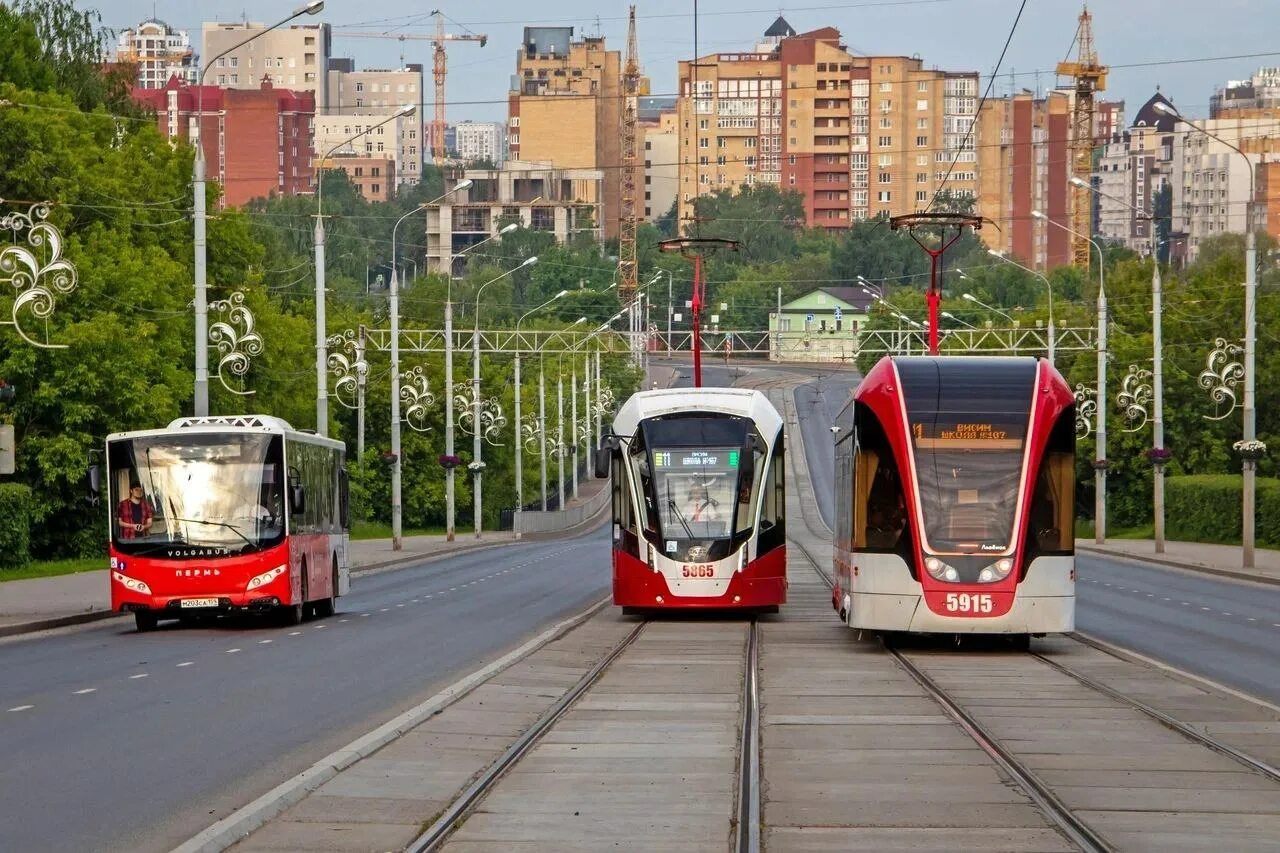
column 661, row 148
column 159, row 52
column 371, row 91
column 564, row 109
column 257, row 143
column 1259, row 92
column 1135, row 164
column 857, row 136
column 480, row 140
column 398, row 139
column 295, row 57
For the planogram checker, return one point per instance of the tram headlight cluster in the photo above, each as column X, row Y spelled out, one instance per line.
column 997, row 571
column 941, row 570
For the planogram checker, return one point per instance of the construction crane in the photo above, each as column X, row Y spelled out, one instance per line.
column 627, row 271
column 438, row 69
column 1088, row 78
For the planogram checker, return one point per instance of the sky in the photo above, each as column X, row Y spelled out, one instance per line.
column 1176, row 45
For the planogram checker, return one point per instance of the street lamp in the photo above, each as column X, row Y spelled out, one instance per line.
column 477, row 437
column 995, row 253
column 956, row 319
column 394, row 307
column 976, row 301
column 199, row 218
column 1250, row 338
column 506, row 229
column 1157, row 367
column 515, row 525
column 322, row 355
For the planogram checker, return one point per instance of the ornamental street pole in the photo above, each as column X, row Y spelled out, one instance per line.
column 1157, row 382
column 515, row 521
column 573, row 417
column 542, row 428
column 559, row 436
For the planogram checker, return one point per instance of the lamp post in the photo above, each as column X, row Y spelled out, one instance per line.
column 515, row 524
column 1157, row 369
column 199, row 219
column 956, row 319
column 573, row 409
column 322, row 355
column 1100, row 444
column 506, row 229
column 394, row 307
column 995, row 253
column 477, row 438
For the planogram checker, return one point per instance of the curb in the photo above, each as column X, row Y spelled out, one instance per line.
column 240, row 823
column 35, row 625
column 1175, row 564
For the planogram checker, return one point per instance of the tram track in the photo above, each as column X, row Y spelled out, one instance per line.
column 1067, row 819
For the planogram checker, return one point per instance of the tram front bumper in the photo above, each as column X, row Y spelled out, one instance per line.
column 762, row 583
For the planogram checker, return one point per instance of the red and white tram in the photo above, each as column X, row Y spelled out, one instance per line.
column 698, row 508
column 955, row 498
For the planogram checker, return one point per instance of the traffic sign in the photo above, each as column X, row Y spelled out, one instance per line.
column 838, row 313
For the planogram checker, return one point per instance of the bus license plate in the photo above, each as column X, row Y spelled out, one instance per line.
column 199, row 602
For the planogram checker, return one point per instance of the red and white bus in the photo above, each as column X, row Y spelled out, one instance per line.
column 955, row 498
column 225, row 514
column 698, row 504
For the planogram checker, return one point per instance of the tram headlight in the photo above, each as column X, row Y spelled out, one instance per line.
column 997, row 571
column 941, row 570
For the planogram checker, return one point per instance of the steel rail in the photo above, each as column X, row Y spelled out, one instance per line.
column 748, row 830
column 1164, row 719
column 457, row 810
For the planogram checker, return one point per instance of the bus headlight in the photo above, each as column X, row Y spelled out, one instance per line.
column 997, row 571
column 131, row 583
column 267, row 577
column 941, row 570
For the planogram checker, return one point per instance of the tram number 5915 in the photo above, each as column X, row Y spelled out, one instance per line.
column 964, row 602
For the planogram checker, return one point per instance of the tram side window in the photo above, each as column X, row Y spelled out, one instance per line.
column 1051, row 523
column 774, row 495
column 879, row 506
column 844, row 486
column 747, row 493
column 622, row 513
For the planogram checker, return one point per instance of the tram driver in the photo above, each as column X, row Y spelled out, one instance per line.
column 701, row 506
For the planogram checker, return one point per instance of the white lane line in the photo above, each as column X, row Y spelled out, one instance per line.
column 186, row 663
column 20, row 708
column 318, row 627
column 384, row 609
column 295, row 633
column 1166, row 599
column 399, row 605
column 263, row 642
column 364, row 614
column 1251, row 619
column 452, row 588
column 416, row 600
column 1186, row 604
column 232, row 651
column 1225, row 613
column 139, row 675
column 82, row 692
column 1204, row 608
column 1151, row 595
column 344, row 620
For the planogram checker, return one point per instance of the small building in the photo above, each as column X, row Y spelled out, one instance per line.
column 374, row 177
column 821, row 325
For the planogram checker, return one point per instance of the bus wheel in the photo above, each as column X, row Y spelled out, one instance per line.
column 145, row 620
column 328, row 606
column 293, row 614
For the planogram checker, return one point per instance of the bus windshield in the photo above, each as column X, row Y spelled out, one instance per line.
column 214, row 494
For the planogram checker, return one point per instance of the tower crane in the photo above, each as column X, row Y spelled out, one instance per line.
column 1088, row 77
column 438, row 69
column 627, row 271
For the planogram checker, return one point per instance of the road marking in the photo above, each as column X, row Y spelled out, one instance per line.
column 344, row 620
column 318, row 627
column 1166, row 599
column 399, row 605
column 1204, row 608
column 295, row 633
column 1251, row 619
column 416, row 600
column 263, row 642
column 232, row 651
column 82, row 692
column 364, row 614
column 186, row 663
column 1186, row 604
column 139, row 675
column 20, row 708
column 1225, row 613
column 1151, row 595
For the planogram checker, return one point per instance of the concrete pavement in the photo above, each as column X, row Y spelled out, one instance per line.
column 1222, row 560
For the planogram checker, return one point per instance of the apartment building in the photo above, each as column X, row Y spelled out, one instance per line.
column 159, row 52
column 661, row 148
column 1135, row 164
column 564, row 108
column 1260, row 92
column 857, row 136
column 295, row 57
column 564, row 202
column 480, row 140
column 398, row 139
column 370, row 91
column 374, row 177
column 257, row 143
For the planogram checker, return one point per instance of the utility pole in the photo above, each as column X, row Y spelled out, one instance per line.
column 1157, row 382
column 542, row 427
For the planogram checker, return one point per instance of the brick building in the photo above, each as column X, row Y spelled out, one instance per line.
column 257, row 142
column 374, row 177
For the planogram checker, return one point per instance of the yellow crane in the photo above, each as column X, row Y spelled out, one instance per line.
column 438, row 69
column 1088, row 78
column 627, row 282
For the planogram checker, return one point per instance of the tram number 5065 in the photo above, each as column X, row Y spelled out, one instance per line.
column 964, row 602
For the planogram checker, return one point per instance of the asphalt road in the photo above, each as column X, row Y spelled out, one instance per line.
column 114, row 740
column 1221, row 629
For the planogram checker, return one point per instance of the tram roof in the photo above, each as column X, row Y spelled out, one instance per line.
column 232, row 424
column 742, row 402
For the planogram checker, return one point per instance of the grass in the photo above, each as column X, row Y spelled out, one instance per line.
column 53, row 568
column 377, row 530
column 1084, row 530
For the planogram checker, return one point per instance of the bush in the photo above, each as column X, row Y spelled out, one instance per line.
column 1206, row 508
column 15, row 525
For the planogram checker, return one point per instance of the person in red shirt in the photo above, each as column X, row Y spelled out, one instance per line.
column 134, row 514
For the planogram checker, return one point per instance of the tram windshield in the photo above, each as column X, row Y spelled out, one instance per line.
column 215, row 494
column 695, row 489
column 968, row 430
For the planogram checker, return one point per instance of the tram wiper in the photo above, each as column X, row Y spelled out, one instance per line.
column 672, row 506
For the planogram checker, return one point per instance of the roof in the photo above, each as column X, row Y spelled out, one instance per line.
column 852, row 298
column 1149, row 116
column 779, row 29
column 745, row 403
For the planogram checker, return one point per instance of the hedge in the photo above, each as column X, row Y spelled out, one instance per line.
column 1206, row 508
column 15, row 525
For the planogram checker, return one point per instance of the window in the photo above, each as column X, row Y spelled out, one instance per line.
column 704, row 143
column 375, row 171
column 375, row 188
column 886, row 86
column 886, row 123
column 921, row 195
column 922, row 141
column 922, row 159
column 884, row 195
column 885, row 178
column 235, row 61
column 884, row 160
column 922, row 177
column 359, row 87
column 922, row 106
column 884, row 141
column 922, row 124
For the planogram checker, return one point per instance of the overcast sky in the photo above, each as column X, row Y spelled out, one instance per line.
column 951, row 34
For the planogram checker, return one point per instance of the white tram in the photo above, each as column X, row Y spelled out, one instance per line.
column 955, row 498
column 698, row 504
